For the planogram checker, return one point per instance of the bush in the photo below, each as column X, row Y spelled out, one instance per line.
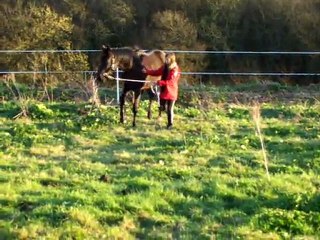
column 40, row 111
column 6, row 140
column 293, row 222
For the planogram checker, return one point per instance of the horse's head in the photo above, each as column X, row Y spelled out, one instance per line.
column 107, row 63
column 111, row 59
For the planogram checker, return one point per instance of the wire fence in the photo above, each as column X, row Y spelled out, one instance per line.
column 87, row 73
column 183, row 73
column 175, row 51
column 211, row 73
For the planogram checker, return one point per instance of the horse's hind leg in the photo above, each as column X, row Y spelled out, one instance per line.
column 137, row 95
column 162, row 107
column 152, row 96
column 122, row 102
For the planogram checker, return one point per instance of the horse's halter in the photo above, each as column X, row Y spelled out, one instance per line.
column 114, row 64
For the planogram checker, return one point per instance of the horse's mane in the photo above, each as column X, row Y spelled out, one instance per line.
column 154, row 58
column 125, row 52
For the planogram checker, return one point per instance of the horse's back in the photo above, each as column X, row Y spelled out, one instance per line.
column 153, row 60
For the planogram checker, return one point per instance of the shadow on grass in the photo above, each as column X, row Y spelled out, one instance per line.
column 278, row 113
column 294, row 130
column 6, row 202
column 303, row 154
column 6, row 233
column 45, row 209
column 13, row 168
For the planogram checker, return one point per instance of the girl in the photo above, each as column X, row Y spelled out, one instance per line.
column 170, row 75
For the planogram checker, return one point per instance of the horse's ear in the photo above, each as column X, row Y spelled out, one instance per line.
column 104, row 47
column 136, row 48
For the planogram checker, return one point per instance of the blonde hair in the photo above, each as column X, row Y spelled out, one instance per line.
column 171, row 60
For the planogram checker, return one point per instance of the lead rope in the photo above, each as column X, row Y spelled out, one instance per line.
column 154, row 89
column 158, row 95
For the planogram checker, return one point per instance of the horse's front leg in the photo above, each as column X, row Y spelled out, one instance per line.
column 136, row 100
column 122, row 103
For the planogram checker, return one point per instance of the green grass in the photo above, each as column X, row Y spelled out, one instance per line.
column 68, row 173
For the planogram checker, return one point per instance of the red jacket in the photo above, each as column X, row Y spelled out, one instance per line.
column 170, row 85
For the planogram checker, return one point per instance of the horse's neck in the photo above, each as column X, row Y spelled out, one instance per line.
column 133, row 65
column 128, row 60
column 136, row 62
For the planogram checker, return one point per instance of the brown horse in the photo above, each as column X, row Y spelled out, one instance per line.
column 132, row 63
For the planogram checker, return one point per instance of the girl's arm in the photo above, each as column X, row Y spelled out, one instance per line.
column 173, row 77
column 157, row 72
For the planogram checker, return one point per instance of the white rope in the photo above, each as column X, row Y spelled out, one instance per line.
column 246, row 52
column 45, row 72
column 127, row 80
column 250, row 73
column 157, row 91
column 48, row 51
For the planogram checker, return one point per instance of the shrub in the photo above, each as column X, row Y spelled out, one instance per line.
column 293, row 222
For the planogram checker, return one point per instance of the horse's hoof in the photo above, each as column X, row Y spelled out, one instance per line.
column 105, row 178
column 169, row 127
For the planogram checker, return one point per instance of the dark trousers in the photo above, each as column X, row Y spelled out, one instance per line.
column 167, row 105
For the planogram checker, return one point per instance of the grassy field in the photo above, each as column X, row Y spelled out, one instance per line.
column 70, row 172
